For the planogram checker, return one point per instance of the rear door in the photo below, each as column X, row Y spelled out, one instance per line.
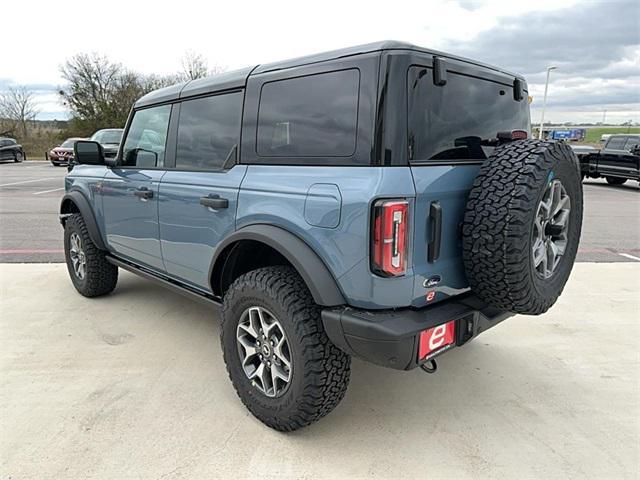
column 199, row 193
column 130, row 189
column 447, row 131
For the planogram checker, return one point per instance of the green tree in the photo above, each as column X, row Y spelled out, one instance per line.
column 98, row 93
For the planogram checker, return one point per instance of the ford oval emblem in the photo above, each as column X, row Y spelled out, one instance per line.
column 432, row 281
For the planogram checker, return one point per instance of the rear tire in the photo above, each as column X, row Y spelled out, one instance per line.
column 522, row 225
column 90, row 272
column 615, row 180
column 18, row 157
column 318, row 372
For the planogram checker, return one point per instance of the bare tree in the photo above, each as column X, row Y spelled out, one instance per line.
column 18, row 107
column 194, row 66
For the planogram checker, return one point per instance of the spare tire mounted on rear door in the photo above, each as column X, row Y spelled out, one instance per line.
column 522, row 225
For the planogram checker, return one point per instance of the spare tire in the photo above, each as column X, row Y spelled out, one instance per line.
column 522, row 225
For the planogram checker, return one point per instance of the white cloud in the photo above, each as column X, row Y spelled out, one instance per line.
column 151, row 37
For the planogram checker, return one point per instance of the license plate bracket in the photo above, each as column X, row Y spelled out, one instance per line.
column 436, row 340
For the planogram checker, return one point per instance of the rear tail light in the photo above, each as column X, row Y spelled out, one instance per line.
column 389, row 237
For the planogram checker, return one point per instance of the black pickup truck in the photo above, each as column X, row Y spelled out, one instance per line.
column 617, row 162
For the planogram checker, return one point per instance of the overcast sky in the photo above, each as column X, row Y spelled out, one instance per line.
column 594, row 43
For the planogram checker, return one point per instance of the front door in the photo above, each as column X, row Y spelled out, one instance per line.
column 130, row 190
column 199, row 196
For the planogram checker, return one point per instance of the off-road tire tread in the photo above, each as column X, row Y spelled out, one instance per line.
column 327, row 369
column 101, row 276
column 496, row 228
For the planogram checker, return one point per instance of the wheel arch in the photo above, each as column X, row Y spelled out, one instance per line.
column 76, row 202
column 276, row 242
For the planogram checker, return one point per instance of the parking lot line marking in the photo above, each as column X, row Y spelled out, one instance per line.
column 23, row 250
column 629, row 256
column 47, row 191
column 27, row 181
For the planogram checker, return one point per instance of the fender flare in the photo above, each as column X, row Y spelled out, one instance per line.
column 314, row 272
column 80, row 201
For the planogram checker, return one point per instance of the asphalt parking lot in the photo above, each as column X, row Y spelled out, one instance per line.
column 132, row 385
column 30, row 195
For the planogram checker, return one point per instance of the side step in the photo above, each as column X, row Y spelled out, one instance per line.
column 165, row 282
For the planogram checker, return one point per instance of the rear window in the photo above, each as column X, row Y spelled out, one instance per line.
column 616, row 143
column 452, row 122
column 312, row 116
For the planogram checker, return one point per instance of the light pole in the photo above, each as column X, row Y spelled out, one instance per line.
column 544, row 102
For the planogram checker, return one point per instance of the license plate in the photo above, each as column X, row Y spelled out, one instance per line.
column 436, row 340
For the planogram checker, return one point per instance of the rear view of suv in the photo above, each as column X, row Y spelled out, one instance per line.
column 382, row 201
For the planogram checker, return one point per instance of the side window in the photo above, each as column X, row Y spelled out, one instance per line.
column 312, row 116
column 145, row 142
column 632, row 142
column 208, row 131
column 616, row 143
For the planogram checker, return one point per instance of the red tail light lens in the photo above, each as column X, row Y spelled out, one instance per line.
column 389, row 242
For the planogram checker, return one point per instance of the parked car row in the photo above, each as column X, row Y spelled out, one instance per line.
column 109, row 138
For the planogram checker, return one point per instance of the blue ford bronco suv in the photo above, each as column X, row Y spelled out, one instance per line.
column 383, row 201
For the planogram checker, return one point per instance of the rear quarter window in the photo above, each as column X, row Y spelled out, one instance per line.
column 310, row 116
column 450, row 122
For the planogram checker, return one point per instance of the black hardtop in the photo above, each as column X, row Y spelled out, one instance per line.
column 238, row 78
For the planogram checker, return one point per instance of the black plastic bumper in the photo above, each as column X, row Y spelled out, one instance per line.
column 390, row 337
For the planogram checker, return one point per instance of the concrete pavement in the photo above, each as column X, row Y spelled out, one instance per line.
column 133, row 386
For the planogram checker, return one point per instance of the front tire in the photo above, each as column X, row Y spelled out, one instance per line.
column 615, row 180
column 90, row 272
column 278, row 356
column 18, row 157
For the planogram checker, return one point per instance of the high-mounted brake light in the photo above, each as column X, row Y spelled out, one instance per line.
column 389, row 237
column 512, row 135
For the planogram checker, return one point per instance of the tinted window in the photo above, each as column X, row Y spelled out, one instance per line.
column 616, row 143
column 208, row 130
column 145, row 143
column 455, row 121
column 312, row 116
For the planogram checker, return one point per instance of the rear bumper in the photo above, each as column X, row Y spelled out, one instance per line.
column 390, row 337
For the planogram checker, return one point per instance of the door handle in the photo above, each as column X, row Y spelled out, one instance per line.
column 214, row 201
column 143, row 193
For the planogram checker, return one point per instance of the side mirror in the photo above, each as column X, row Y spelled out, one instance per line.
column 88, row 153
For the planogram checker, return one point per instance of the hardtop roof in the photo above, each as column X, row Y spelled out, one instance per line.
column 238, row 78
